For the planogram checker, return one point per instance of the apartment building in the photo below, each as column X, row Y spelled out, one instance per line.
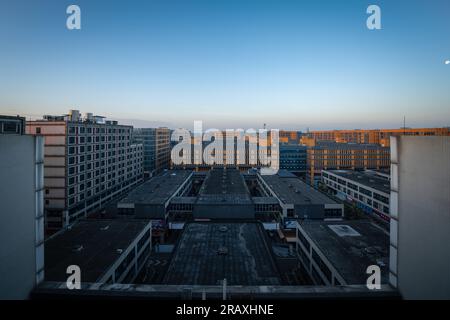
column 156, row 144
column 368, row 189
column 376, row 136
column 88, row 162
column 325, row 155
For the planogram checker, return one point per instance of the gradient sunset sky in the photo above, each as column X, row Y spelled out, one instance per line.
column 290, row 64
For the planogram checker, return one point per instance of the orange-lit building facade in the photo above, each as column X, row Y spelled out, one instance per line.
column 328, row 155
column 290, row 137
column 376, row 136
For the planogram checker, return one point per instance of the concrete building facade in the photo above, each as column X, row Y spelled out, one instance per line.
column 22, row 214
column 367, row 189
column 420, row 217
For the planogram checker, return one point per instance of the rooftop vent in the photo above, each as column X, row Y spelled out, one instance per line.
column 370, row 250
column 222, row 251
column 223, row 229
column 344, row 230
column 381, row 263
column 77, row 248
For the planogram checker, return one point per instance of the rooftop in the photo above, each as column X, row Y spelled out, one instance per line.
column 290, row 189
column 224, row 181
column 209, row 252
column 93, row 245
column 158, row 189
column 367, row 178
column 349, row 252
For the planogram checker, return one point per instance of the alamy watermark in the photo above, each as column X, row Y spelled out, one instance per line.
column 74, row 279
column 227, row 147
column 374, row 280
column 73, row 21
column 373, row 22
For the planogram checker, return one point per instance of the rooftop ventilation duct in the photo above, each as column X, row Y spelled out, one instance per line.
column 74, row 115
column 222, row 251
column 77, row 248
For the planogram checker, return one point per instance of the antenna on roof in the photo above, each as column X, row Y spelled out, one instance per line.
column 404, row 125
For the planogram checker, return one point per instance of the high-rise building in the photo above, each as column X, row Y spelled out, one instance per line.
column 156, row 143
column 326, row 155
column 88, row 162
column 21, row 207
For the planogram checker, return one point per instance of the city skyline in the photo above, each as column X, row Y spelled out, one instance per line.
column 231, row 64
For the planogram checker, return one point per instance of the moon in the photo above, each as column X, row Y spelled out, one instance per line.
column 447, row 61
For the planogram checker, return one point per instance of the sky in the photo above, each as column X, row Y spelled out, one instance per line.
column 232, row 64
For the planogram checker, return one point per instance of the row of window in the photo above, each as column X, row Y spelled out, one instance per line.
column 97, row 130
column 362, row 198
column 97, row 139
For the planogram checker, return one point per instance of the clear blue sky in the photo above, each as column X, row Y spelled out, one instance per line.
column 290, row 64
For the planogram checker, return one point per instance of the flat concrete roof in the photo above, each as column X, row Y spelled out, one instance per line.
column 290, row 189
column 245, row 260
column 158, row 189
column 224, row 181
column 224, row 186
column 265, row 200
column 366, row 178
column 351, row 254
column 92, row 245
